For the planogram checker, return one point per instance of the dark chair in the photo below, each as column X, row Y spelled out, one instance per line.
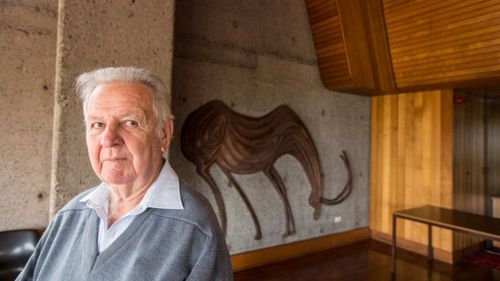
column 16, row 246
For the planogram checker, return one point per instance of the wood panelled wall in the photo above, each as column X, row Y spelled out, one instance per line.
column 469, row 152
column 493, row 153
column 411, row 158
column 434, row 42
column 493, row 145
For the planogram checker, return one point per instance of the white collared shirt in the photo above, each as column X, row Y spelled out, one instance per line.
column 164, row 193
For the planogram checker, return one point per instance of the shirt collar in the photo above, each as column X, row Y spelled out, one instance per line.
column 164, row 193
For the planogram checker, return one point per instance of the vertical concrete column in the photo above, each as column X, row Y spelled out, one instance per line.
column 93, row 34
column 27, row 60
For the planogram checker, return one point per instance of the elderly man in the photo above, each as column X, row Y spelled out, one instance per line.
column 141, row 222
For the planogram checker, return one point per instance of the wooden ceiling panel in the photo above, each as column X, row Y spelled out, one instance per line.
column 435, row 42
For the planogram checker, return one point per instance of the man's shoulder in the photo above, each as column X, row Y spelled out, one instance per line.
column 191, row 196
column 72, row 214
column 197, row 210
column 75, row 204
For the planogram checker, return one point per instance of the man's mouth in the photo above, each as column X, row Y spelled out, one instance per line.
column 116, row 159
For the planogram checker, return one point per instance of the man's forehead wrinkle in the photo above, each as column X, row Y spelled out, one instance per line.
column 104, row 104
column 136, row 114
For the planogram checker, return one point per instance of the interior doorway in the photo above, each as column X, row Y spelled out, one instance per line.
column 476, row 154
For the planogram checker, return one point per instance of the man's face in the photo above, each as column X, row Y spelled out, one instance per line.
column 122, row 143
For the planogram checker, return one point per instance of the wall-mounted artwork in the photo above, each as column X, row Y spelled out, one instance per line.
column 239, row 144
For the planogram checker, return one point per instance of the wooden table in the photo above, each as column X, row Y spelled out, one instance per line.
column 482, row 226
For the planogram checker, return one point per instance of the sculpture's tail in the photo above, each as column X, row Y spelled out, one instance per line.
column 347, row 187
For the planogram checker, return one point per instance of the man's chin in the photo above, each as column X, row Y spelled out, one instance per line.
column 115, row 178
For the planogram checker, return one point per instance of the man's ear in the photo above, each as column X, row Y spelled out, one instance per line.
column 168, row 130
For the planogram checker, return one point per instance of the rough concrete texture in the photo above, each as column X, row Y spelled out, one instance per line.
column 27, row 59
column 96, row 34
column 256, row 55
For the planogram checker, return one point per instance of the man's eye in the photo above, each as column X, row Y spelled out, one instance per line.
column 131, row 123
column 97, row 125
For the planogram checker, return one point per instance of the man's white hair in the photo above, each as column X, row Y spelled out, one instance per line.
column 87, row 82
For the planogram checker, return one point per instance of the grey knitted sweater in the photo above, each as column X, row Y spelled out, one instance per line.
column 160, row 244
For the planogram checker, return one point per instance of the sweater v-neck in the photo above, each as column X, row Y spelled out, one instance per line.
column 92, row 259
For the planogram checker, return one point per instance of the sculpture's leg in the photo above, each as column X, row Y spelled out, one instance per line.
column 315, row 201
column 258, row 232
column 278, row 184
column 217, row 195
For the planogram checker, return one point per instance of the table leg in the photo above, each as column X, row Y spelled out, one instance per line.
column 394, row 217
column 430, row 252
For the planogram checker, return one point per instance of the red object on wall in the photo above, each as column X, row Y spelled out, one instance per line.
column 459, row 100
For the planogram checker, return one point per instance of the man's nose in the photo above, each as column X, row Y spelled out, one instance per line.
column 111, row 136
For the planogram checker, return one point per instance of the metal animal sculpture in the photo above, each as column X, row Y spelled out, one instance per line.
column 214, row 134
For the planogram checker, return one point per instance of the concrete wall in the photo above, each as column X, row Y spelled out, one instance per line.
column 255, row 56
column 27, row 60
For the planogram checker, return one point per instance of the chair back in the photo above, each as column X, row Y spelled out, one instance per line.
column 16, row 247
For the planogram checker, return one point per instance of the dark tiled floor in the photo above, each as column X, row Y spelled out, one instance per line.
column 368, row 260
